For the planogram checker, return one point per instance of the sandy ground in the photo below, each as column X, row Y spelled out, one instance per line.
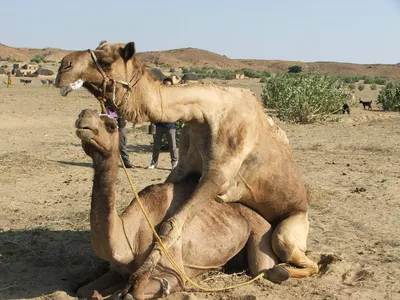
column 351, row 168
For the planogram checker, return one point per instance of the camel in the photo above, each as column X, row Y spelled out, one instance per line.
column 230, row 143
column 126, row 240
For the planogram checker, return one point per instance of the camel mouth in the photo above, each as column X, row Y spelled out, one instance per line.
column 71, row 87
column 85, row 133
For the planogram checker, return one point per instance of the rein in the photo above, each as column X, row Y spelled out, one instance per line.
column 128, row 85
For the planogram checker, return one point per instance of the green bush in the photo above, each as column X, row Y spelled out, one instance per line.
column 361, row 87
column 351, row 79
column 380, row 80
column 263, row 80
column 389, row 97
column 295, row 69
column 305, row 98
column 36, row 60
column 352, row 86
column 373, row 87
column 369, row 80
column 206, row 72
column 265, row 74
column 251, row 73
column 172, row 70
column 8, row 58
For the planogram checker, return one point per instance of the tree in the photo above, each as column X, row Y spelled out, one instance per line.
column 305, row 98
column 295, row 69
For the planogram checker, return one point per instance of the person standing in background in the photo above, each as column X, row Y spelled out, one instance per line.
column 9, row 82
column 170, row 130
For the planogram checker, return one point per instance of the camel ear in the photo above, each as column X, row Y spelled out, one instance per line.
column 128, row 51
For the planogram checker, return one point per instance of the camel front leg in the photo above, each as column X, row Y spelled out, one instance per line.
column 189, row 161
column 105, row 285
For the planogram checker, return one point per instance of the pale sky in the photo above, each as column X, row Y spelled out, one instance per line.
column 358, row 31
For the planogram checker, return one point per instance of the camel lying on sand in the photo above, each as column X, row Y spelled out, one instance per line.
column 208, row 242
column 239, row 155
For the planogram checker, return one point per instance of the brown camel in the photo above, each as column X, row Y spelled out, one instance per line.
column 208, row 242
column 240, row 156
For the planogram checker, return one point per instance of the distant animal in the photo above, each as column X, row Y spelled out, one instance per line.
column 346, row 108
column 366, row 104
column 25, row 81
column 47, row 82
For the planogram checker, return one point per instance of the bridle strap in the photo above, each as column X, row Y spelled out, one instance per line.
column 114, row 81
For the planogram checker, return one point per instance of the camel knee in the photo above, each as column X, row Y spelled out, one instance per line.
column 157, row 287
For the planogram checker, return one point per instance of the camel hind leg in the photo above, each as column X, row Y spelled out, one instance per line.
column 260, row 255
column 289, row 242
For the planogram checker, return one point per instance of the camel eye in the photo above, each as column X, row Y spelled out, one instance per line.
column 68, row 65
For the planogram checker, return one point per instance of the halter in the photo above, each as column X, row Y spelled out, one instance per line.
column 128, row 85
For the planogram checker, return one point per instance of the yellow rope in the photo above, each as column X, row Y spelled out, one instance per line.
column 102, row 106
column 165, row 251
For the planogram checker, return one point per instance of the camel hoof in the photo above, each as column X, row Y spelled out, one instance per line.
column 278, row 274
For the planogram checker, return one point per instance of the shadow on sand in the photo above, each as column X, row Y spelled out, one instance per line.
column 39, row 262
column 76, row 164
column 140, row 148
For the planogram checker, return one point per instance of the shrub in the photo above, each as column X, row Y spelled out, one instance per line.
column 373, row 87
column 37, row 59
column 369, row 80
column 295, row 69
column 305, row 98
column 361, row 87
column 266, row 74
column 172, row 70
column 8, row 58
column 380, row 80
column 351, row 79
column 352, row 87
column 251, row 73
column 389, row 97
column 263, row 80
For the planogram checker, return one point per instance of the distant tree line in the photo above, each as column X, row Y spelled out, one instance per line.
column 226, row 74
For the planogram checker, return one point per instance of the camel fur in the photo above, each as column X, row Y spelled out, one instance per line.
column 207, row 243
column 230, row 143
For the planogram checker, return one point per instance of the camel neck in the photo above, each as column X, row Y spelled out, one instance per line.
column 103, row 211
column 151, row 101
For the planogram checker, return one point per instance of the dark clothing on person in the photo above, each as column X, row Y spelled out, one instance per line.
column 167, row 125
column 123, row 150
column 170, row 132
column 122, row 141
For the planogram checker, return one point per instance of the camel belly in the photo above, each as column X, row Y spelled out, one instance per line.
column 214, row 236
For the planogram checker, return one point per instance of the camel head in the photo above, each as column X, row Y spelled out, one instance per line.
column 80, row 69
column 99, row 134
